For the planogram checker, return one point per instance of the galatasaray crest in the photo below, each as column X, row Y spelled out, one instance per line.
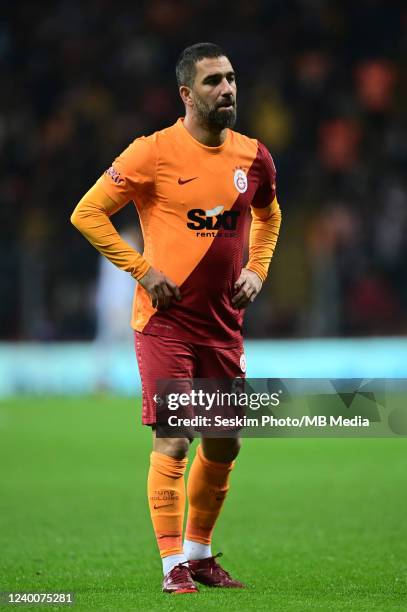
column 240, row 180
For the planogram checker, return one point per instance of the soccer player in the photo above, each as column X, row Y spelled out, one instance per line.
column 192, row 184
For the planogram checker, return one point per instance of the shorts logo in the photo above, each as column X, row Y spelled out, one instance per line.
column 243, row 362
column 240, row 180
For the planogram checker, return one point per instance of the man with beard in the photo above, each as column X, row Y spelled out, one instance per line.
column 192, row 184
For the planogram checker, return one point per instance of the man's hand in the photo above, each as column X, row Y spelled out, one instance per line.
column 160, row 287
column 247, row 286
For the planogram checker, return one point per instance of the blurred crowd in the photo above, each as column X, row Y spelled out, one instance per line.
column 321, row 82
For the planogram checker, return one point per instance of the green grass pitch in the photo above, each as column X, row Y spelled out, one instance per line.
column 309, row 524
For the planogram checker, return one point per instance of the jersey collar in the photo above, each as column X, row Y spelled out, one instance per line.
column 212, row 150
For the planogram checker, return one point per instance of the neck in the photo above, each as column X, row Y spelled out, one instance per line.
column 210, row 137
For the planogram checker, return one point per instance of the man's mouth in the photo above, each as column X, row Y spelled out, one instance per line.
column 226, row 105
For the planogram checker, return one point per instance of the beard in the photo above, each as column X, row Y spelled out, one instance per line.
column 214, row 117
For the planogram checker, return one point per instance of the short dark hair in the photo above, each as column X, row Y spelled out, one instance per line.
column 185, row 68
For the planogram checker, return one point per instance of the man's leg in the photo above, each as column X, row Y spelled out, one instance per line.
column 208, row 484
column 165, row 358
column 208, row 480
column 166, row 497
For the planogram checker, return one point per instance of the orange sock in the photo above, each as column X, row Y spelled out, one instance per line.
column 166, row 497
column 208, row 483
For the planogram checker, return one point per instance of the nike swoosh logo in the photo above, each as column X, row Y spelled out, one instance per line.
column 162, row 505
column 183, row 181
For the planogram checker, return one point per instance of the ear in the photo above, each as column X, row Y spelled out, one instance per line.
column 185, row 93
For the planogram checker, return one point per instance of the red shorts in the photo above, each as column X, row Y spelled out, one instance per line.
column 167, row 358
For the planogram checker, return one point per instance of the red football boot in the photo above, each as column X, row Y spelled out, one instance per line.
column 209, row 572
column 179, row 580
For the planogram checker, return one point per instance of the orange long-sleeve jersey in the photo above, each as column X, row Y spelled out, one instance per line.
column 192, row 201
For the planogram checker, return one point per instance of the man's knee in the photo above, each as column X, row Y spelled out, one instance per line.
column 173, row 447
column 222, row 450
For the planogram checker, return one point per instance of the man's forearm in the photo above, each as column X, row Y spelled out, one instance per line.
column 91, row 218
column 263, row 238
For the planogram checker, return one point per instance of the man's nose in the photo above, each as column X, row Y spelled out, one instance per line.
column 227, row 89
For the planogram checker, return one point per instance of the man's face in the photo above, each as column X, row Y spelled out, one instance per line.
column 214, row 92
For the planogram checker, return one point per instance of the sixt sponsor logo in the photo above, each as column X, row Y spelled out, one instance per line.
column 213, row 219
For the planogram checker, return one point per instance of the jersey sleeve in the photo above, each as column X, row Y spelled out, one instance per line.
column 92, row 218
column 266, row 218
column 266, row 192
column 132, row 174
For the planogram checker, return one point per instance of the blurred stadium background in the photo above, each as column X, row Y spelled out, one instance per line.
column 322, row 83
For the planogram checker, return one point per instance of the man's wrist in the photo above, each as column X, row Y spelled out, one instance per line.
column 256, row 270
column 141, row 269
